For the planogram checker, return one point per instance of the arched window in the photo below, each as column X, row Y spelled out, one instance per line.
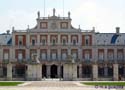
column 64, row 42
column 74, row 42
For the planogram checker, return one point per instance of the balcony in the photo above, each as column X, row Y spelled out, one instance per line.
column 5, row 61
column 87, row 61
column 100, row 61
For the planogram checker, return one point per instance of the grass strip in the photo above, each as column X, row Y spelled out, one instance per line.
column 104, row 83
column 10, row 83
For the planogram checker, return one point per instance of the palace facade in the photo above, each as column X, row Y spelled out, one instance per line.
column 55, row 49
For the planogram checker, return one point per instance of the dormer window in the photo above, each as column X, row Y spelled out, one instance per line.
column 43, row 25
column 20, row 40
column 86, row 40
column 87, row 43
column 64, row 25
column 20, row 43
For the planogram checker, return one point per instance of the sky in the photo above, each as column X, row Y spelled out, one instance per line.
column 104, row 15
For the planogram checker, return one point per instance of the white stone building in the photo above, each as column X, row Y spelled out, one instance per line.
column 55, row 49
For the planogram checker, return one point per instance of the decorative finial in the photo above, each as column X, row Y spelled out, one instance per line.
column 38, row 13
column 54, row 11
column 13, row 28
column 93, row 28
column 69, row 14
column 79, row 26
column 27, row 26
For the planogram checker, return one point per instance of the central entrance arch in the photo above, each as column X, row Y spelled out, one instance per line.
column 53, row 71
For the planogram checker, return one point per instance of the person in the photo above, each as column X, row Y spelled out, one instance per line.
column 120, row 77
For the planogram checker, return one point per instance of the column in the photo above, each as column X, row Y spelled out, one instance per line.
column 80, row 71
column 69, row 51
column 80, row 39
column 34, row 72
column 29, row 72
column 1, row 53
column 70, row 71
column 28, row 39
column 59, row 54
column 59, row 71
column 9, row 71
column 69, row 39
column 124, row 70
column 115, row 72
column 48, row 39
column 95, row 72
column 27, row 54
column 13, row 39
column 1, row 71
column 38, row 39
column 105, row 54
column 79, row 53
column 58, row 39
column 95, row 54
column 105, row 71
column 124, row 53
column 11, row 55
column 48, row 54
column 115, row 54
column 48, row 71
column 39, row 71
column 38, row 53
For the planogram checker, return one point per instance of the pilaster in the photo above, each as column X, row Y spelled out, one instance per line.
column 115, row 72
column 48, row 71
column 9, row 71
column 95, row 72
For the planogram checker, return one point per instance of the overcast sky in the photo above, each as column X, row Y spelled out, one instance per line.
column 104, row 15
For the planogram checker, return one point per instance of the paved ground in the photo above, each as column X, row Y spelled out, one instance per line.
column 52, row 85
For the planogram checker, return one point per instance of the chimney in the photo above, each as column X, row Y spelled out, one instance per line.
column 8, row 31
column 117, row 29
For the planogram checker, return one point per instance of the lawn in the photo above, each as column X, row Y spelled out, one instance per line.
column 104, row 83
column 10, row 83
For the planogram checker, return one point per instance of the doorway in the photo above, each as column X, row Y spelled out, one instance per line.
column 53, row 71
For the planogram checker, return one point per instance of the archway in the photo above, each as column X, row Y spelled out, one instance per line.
column 44, row 74
column 87, row 71
column 19, row 71
column 53, row 71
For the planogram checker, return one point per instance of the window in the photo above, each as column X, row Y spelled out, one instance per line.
column 33, row 42
column 53, row 56
column 64, row 42
column 64, row 25
column 87, row 43
column 43, row 56
column 110, row 55
column 43, row 42
column 20, row 56
column 54, row 41
column 64, row 56
column 74, row 55
column 120, row 56
column 87, row 56
column 86, row 40
column 20, row 43
column 6, row 56
column 74, row 42
column 101, row 56
column 43, row 25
